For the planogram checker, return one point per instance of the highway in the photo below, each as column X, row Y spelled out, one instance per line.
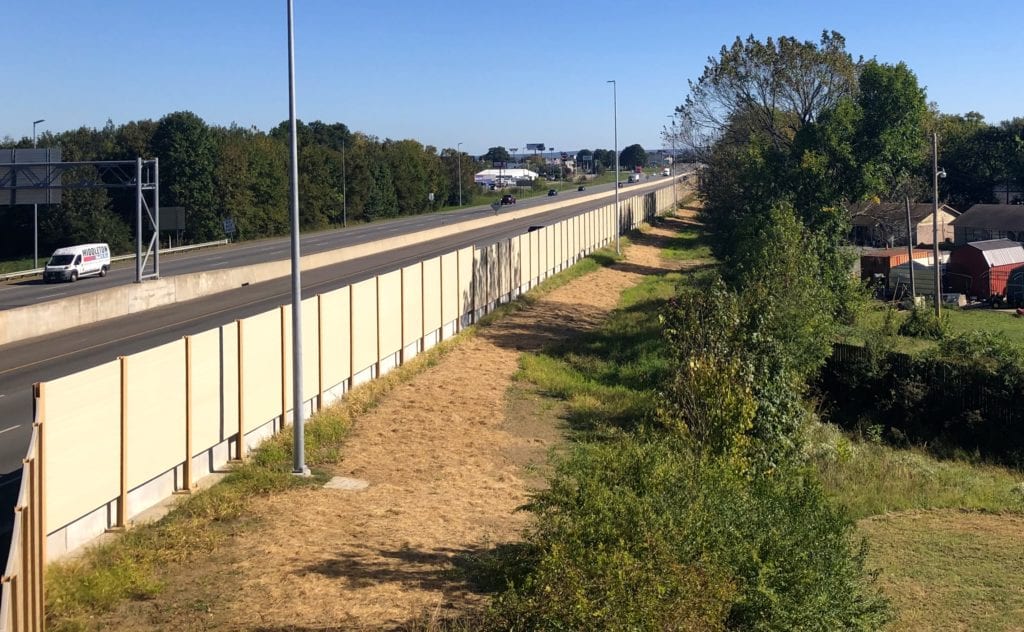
column 46, row 358
column 34, row 290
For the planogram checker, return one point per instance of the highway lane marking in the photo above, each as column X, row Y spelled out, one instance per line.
column 10, row 429
column 49, row 295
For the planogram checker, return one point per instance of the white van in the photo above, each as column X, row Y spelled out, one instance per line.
column 634, row 177
column 74, row 262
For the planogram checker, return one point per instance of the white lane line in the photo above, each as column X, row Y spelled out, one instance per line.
column 10, row 429
column 49, row 295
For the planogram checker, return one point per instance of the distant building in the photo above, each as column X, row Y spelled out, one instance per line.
column 990, row 221
column 983, row 268
column 885, row 225
column 504, row 177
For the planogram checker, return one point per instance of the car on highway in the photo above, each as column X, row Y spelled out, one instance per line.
column 552, row 192
column 508, row 198
column 580, row 188
column 75, row 262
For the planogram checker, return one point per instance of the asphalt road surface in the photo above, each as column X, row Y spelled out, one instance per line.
column 53, row 356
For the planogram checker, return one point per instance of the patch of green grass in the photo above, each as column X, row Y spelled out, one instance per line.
column 871, row 478
column 873, row 313
column 17, row 265
column 689, row 245
column 950, row 570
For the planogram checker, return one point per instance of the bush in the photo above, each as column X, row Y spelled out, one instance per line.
column 644, row 535
column 922, row 323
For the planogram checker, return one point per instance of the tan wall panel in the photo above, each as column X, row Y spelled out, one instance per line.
column 156, row 411
column 535, row 254
column 560, row 243
column 549, row 248
column 82, row 443
column 261, row 367
column 518, row 254
column 364, row 325
column 389, row 312
column 493, row 271
column 230, row 355
column 310, row 349
column 336, row 331
column 431, row 294
column 450, row 299
column 412, row 304
column 504, row 265
column 206, row 397
column 465, row 285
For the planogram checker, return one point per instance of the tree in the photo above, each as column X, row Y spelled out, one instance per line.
column 187, row 153
column 496, row 154
column 632, row 157
column 773, row 87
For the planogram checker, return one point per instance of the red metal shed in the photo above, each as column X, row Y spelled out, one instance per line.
column 981, row 268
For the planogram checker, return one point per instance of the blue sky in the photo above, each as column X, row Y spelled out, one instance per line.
column 480, row 73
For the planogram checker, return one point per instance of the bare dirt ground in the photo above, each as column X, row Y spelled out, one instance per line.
column 448, row 460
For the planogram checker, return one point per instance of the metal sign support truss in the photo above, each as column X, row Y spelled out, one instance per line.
column 141, row 175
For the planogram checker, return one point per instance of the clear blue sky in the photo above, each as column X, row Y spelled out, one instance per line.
column 483, row 73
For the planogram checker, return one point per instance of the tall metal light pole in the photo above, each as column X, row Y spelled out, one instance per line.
column 298, row 429
column 458, row 156
column 35, row 209
column 672, row 166
column 615, row 114
column 935, row 220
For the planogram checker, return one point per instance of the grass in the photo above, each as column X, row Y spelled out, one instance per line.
column 17, row 265
column 130, row 566
column 691, row 244
column 871, row 316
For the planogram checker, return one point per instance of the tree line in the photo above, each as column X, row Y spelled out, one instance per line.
column 240, row 173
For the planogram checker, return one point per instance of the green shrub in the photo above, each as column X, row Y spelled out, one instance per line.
column 922, row 323
column 644, row 535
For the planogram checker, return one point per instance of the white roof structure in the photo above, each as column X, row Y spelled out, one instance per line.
column 490, row 175
column 999, row 252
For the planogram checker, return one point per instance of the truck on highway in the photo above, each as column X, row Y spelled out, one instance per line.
column 74, row 262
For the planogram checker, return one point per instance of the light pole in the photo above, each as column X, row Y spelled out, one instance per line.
column 672, row 166
column 298, row 429
column 35, row 209
column 615, row 118
column 458, row 155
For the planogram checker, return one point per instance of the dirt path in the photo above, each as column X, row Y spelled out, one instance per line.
column 446, row 470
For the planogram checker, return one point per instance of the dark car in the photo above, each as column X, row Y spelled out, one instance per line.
column 552, row 192
column 508, row 198
column 580, row 188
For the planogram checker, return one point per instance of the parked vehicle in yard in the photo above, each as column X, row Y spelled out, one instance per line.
column 75, row 262
column 508, row 198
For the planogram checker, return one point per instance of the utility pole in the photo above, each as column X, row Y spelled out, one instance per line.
column 935, row 221
column 910, row 254
column 344, row 191
column 458, row 155
column 672, row 166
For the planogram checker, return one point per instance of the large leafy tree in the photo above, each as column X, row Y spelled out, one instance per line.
column 633, row 156
column 494, row 154
column 187, row 152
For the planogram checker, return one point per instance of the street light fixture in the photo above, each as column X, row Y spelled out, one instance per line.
column 615, row 115
column 458, row 156
column 35, row 209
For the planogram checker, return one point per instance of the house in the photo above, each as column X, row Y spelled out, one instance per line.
column 885, row 225
column 983, row 268
column 983, row 222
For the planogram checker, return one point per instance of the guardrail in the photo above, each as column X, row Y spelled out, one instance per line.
column 207, row 244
